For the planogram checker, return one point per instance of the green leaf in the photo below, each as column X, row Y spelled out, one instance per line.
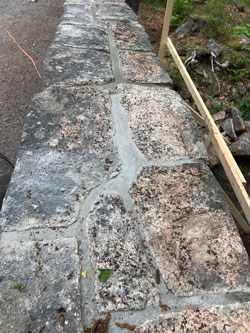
column 105, row 274
column 17, row 285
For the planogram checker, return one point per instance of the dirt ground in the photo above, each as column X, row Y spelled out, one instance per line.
column 33, row 25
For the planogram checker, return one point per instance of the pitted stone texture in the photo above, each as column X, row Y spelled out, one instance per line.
column 76, row 120
column 76, row 66
column 78, row 14
column 78, row 2
column 162, row 126
column 242, row 146
column 131, row 37
column 89, row 37
column 48, row 187
column 188, row 230
column 115, row 11
column 115, row 244
column 45, row 190
column 222, row 319
column 98, row 2
column 143, row 68
column 49, row 299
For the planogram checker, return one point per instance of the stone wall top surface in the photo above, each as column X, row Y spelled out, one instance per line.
column 112, row 216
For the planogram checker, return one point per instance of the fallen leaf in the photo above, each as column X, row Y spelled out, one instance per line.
column 105, row 274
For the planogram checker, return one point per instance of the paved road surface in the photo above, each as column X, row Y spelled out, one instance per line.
column 33, row 25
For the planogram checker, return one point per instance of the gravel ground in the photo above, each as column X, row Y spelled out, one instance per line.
column 33, row 25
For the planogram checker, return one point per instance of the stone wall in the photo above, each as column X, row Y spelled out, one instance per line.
column 112, row 214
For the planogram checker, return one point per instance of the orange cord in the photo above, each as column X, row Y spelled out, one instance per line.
column 22, row 50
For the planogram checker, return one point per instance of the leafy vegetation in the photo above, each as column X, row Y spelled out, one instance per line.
column 215, row 106
column 181, row 9
column 243, row 103
column 218, row 17
column 226, row 21
column 105, row 274
column 17, row 286
column 242, row 30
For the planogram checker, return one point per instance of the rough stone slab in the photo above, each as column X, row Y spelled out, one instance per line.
column 48, row 187
column 76, row 66
column 75, row 120
column 78, row 2
column 89, row 37
column 115, row 244
column 131, row 37
column 98, row 2
column 78, row 14
column 189, row 231
column 115, row 11
column 222, row 319
column 161, row 124
column 143, row 68
column 45, row 190
column 48, row 275
column 242, row 146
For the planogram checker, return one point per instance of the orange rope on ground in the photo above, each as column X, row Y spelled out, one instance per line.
column 22, row 50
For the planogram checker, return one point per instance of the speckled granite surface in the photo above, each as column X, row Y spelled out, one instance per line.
column 113, row 221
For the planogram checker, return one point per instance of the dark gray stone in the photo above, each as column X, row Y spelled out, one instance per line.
column 134, row 4
column 78, row 2
column 189, row 231
column 214, row 47
column 78, row 14
column 76, row 66
column 238, row 122
column 39, row 287
column 228, row 127
column 115, row 244
column 129, row 36
column 88, row 36
column 75, row 120
column 115, row 11
column 47, row 189
column 189, row 27
column 143, row 68
column 241, row 147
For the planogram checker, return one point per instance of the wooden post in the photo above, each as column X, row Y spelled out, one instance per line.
column 165, row 29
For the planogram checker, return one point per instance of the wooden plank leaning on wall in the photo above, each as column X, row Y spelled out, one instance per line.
column 229, row 164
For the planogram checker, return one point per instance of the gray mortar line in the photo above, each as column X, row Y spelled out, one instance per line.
column 115, row 58
column 40, row 234
column 132, row 160
column 138, row 317
column 87, row 284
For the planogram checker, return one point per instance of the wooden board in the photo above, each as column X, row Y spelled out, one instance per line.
column 231, row 168
column 165, row 29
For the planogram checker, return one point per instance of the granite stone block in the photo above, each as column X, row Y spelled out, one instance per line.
column 75, row 66
column 233, row 318
column 88, row 37
column 115, row 12
column 115, row 245
column 143, row 68
column 48, row 188
column 129, row 36
column 161, row 124
column 39, row 287
column 189, row 231
column 75, row 120
column 78, row 14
